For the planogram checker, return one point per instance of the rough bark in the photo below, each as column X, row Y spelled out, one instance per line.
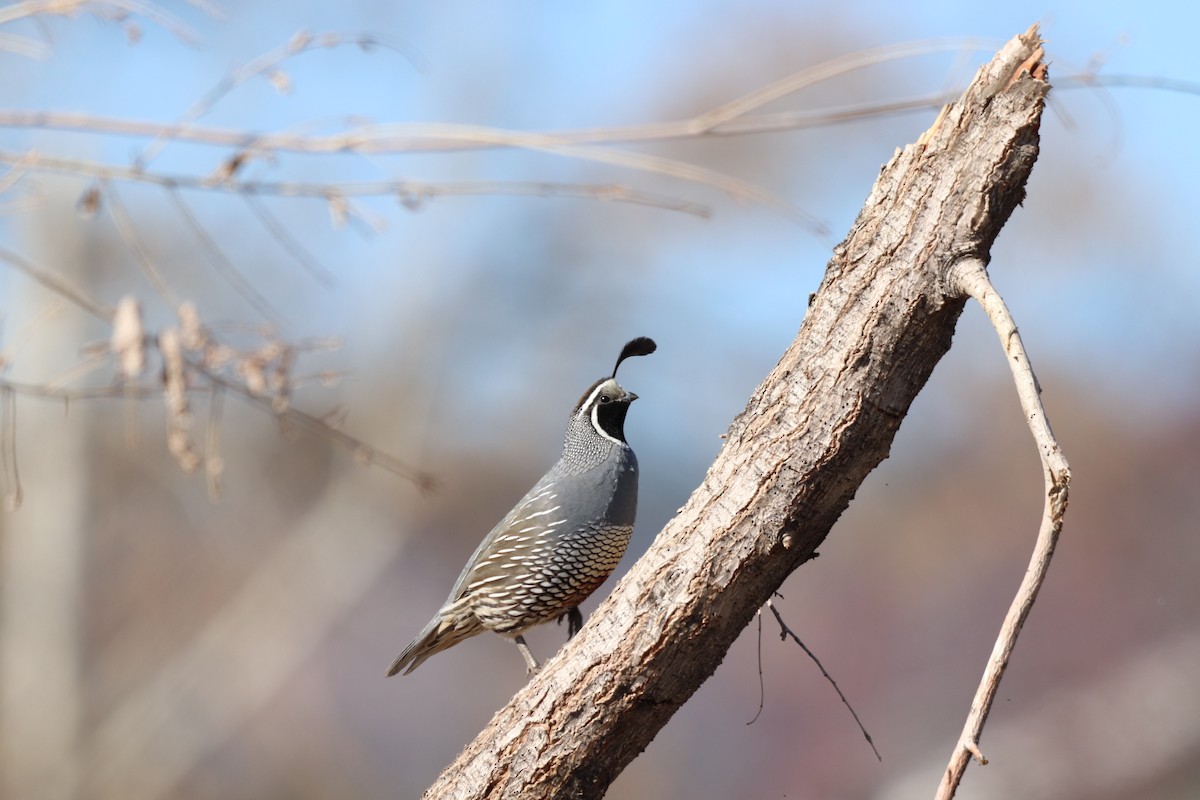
column 820, row 422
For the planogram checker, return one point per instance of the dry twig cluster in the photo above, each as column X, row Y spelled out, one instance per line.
column 189, row 357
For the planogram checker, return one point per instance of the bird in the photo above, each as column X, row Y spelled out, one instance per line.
column 558, row 543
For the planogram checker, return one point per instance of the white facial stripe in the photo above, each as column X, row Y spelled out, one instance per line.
column 595, row 393
column 600, row 430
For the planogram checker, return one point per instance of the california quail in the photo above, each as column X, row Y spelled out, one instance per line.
column 561, row 540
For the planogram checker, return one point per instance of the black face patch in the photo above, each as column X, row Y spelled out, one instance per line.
column 611, row 418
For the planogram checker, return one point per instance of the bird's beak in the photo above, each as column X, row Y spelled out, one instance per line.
column 632, row 397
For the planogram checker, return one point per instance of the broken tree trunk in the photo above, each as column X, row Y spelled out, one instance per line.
column 819, row 423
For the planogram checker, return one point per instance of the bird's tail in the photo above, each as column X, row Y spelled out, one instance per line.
column 446, row 629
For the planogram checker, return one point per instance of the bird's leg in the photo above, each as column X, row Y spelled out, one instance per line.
column 574, row 620
column 531, row 664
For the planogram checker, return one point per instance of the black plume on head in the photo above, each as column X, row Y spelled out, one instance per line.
column 641, row 346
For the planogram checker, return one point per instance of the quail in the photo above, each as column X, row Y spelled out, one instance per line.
column 558, row 544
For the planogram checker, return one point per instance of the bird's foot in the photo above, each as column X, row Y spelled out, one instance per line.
column 574, row 620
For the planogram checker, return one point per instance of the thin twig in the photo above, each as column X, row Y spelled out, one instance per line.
column 133, row 241
column 299, row 253
column 414, row 138
column 412, row 194
column 629, row 159
column 729, row 118
column 225, row 268
column 76, row 394
column 969, row 278
column 24, row 337
column 267, row 64
column 784, row 633
column 16, row 11
column 57, row 284
column 762, row 686
column 823, row 72
column 363, row 452
column 89, row 364
column 103, row 9
column 427, row 138
column 151, row 12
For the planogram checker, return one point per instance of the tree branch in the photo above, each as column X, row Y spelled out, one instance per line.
column 970, row 278
column 820, row 422
column 784, row 633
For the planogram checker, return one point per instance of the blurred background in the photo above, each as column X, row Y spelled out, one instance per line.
column 157, row 641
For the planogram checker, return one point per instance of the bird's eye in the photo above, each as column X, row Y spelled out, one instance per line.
column 605, row 398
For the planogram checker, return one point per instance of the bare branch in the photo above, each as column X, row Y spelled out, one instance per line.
column 265, row 372
column 26, row 335
column 730, row 118
column 70, row 395
column 414, row 138
column 762, row 687
column 968, row 277
column 267, row 64
column 129, row 234
column 411, row 194
column 363, row 452
column 57, row 284
column 478, row 135
column 784, row 633
column 223, row 265
column 110, row 10
column 829, row 69
column 93, row 359
column 418, row 137
column 291, row 245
